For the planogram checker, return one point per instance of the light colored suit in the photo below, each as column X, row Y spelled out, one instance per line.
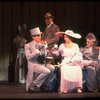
column 32, row 53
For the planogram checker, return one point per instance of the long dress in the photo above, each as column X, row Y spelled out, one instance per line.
column 71, row 67
column 20, row 64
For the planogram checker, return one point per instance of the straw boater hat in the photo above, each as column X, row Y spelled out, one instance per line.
column 35, row 31
column 48, row 15
column 91, row 36
column 69, row 33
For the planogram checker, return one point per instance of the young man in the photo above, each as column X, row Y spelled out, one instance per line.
column 32, row 51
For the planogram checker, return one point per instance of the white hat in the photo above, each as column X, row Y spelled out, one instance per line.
column 69, row 33
column 35, row 31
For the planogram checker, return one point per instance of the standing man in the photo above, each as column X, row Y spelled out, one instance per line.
column 49, row 32
column 33, row 51
column 49, row 38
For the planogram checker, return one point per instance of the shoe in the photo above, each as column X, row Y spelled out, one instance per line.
column 79, row 91
column 30, row 91
column 37, row 89
column 63, row 92
column 22, row 81
column 31, row 88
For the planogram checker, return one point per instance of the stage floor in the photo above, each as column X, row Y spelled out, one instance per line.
column 17, row 91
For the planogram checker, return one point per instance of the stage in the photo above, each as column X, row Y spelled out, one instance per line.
column 17, row 91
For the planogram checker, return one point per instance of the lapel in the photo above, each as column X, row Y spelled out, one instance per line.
column 34, row 45
column 48, row 31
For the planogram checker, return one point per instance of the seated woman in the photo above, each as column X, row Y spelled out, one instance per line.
column 98, row 68
column 71, row 64
column 90, row 61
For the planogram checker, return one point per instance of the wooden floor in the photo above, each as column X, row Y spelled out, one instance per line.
column 17, row 91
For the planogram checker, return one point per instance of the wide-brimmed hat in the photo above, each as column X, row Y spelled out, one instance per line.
column 35, row 31
column 69, row 33
column 48, row 15
column 90, row 36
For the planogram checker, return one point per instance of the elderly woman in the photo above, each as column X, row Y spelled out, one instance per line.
column 71, row 64
column 90, row 60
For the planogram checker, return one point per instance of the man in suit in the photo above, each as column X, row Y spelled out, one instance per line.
column 33, row 51
column 48, row 35
column 50, row 30
column 50, row 39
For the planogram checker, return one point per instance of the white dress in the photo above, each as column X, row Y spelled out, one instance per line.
column 71, row 68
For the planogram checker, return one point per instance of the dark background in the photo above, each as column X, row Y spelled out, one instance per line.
column 79, row 16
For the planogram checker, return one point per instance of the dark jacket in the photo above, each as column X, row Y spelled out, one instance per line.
column 49, row 35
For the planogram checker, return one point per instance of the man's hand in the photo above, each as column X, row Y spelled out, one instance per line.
column 37, row 51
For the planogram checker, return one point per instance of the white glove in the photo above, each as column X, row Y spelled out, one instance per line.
column 37, row 51
column 46, row 45
column 55, row 46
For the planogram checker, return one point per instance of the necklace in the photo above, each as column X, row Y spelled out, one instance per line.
column 68, row 45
